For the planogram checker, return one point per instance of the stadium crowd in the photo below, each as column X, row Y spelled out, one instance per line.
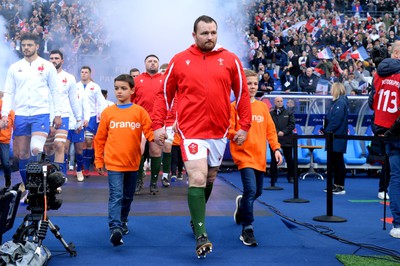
column 73, row 27
column 282, row 37
column 334, row 40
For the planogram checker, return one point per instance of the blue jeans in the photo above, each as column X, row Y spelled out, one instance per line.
column 121, row 191
column 252, row 188
column 393, row 151
column 5, row 159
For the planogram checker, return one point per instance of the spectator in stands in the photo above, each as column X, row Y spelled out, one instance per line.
column 293, row 64
column 350, row 83
column 266, row 84
column 288, row 81
column 260, row 71
column 303, row 60
column 326, row 66
column 308, row 82
column 336, row 123
column 258, row 59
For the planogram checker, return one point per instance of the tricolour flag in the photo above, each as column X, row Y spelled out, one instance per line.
column 325, row 54
column 316, row 33
column 322, row 86
column 311, row 23
column 360, row 54
column 346, row 54
column 62, row 3
column 336, row 21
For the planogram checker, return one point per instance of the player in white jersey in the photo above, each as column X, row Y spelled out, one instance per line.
column 69, row 96
column 76, row 133
column 29, row 83
column 97, row 104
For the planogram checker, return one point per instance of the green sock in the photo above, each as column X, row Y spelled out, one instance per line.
column 208, row 190
column 155, row 168
column 140, row 171
column 166, row 162
column 197, row 207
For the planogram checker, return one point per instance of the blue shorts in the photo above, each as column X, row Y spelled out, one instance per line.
column 25, row 125
column 64, row 123
column 92, row 125
column 76, row 137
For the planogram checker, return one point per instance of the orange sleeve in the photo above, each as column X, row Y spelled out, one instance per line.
column 146, row 126
column 233, row 121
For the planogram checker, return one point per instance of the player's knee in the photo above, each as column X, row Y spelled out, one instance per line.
column 37, row 144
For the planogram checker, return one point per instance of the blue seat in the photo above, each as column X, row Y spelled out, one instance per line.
column 303, row 155
column 367, row 143
column 353, row 155
column 319, row 154
column 268, row 155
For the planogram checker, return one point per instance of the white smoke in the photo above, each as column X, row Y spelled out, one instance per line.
column 136, row 29
column 7, row 57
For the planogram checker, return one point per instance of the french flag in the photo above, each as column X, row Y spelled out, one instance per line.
column 325, row 54
column 360, row 54
column 336, row 21
column 346, row 54
column 311, row 23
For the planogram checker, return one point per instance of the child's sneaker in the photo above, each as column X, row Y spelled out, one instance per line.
column 247, row 237
column 203, row 246
column 116, row 237
column 125, row 229
column 180, row 176
column 173, row 178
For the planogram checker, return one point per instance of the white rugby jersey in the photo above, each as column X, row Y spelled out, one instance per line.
column 85, row 107
column 28, row 87
column 69, row 95
column 95, row 97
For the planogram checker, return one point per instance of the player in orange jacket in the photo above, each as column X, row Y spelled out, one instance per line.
column 250, row 157
column 117, row 149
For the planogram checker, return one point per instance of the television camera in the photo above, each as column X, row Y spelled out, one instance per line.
column 42, row 180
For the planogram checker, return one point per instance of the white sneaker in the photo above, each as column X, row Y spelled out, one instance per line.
column 381, row 195
column 395, row 232
column 71, row 168
column 79, row 176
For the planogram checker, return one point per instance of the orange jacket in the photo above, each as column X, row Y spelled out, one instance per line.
column 252, row 153
column 5, row 134
column 117, row 142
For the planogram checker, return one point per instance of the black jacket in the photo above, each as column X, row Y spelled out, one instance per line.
column 285, row 122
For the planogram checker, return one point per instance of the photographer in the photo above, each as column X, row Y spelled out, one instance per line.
column 387, row 121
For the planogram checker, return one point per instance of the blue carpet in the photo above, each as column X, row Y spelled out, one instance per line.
column 169, row 241
column 165, row 239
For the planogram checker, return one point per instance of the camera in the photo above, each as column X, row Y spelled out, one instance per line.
column 42, row 180
column 378, row 54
